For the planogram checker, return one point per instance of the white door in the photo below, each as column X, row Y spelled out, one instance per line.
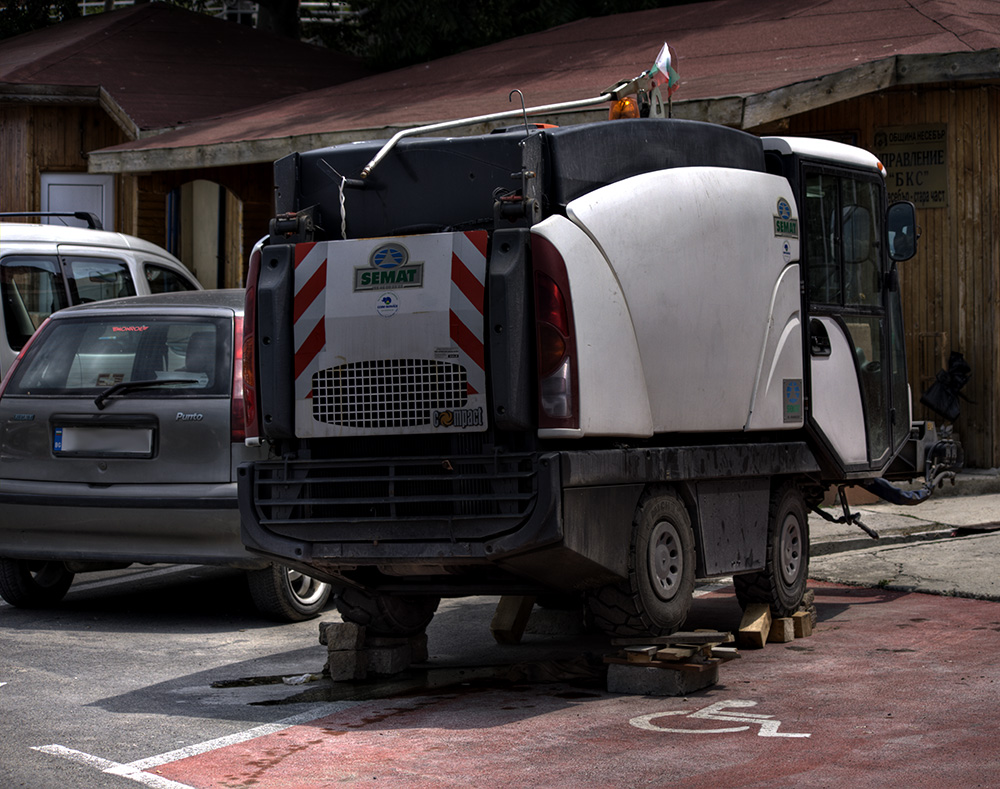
column 71, row 192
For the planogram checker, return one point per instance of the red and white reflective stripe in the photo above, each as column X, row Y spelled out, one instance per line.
column 468, row 288
column 308, row 312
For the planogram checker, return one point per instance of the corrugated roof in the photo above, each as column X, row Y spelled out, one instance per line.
column 725, row 48
column 163, row 65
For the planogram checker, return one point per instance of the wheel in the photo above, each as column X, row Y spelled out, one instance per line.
column 782, row 582
column 287, row 595
column 31, row 584
column 656, row 597
column 386, row 614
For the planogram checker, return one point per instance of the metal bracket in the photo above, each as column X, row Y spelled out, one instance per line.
column 852, row 518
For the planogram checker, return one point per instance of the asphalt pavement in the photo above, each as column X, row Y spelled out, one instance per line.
column 947, row 545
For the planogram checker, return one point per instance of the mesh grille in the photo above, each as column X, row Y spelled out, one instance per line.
column 387, row 393
column 394, row 500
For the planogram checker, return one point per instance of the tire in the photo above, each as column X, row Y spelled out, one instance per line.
column 782, row 582
column 656, row 597
column 385, row 614
column 287, row 595
column 31, row 584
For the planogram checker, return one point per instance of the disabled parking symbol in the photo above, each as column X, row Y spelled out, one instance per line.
column 719, row 711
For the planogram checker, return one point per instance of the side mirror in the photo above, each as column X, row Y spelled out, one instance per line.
column 901, row 227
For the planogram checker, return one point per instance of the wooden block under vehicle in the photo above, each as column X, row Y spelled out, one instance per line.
column 755, row 625
column 640, row 654
column 803, row 623
column 782, row 630
column 510, row 618
column 676, row 653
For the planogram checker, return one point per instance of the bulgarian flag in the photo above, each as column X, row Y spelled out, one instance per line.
column 663, row 71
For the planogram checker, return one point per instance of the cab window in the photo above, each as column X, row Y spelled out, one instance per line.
column 32, row 288
column 842, row 246
column 164, row 280
column 97, row 279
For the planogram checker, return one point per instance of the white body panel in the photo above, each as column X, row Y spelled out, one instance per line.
column 613, row 391
column 384, row 335
column 778, row 393
column 705, row 269
column 815, row 148
column 836, row 397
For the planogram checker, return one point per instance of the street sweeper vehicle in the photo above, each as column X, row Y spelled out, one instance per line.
column 597, row 361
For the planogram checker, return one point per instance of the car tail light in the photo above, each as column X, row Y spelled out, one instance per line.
column 237, row 414
column 248, row 373
column 558, row 401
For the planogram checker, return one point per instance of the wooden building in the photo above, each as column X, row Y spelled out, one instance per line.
column 106, row 79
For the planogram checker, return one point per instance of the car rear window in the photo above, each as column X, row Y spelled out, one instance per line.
column 183, row 356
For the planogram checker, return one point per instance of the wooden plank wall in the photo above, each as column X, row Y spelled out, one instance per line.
column 38, row 138
column 18, row 180
column 950, row 288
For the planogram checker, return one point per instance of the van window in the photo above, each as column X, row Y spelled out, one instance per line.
column 97, row 279
column 87, row 355
column 164, row 280
column 31, row 288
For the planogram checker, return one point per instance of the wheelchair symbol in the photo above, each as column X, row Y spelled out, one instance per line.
column 718, row 712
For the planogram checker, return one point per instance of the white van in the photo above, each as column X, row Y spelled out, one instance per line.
column 44, row 268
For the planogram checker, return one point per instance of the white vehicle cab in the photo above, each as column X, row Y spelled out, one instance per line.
column 44, row 268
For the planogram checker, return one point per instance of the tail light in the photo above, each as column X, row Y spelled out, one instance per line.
column 248, row 357
column 558, row 401
column 237, row 426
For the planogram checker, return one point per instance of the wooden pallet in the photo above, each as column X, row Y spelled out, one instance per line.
column 697, row 651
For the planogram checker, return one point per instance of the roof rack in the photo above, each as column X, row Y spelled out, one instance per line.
column 92, row 220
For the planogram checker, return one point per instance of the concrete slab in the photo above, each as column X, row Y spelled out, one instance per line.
column 960, row 566
column 654, row 681
column 936, row 517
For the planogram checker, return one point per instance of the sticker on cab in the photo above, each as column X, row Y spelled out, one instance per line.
column 389, row 264
column 785, row 225
column 387, row 305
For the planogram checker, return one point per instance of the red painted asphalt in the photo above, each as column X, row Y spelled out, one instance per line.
column 893, row 689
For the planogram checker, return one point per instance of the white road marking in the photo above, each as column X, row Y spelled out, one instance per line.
column 136, row 771
column 718, row 712
column 107, row 766
column 233, row 739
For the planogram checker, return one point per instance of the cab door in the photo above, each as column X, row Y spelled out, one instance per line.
column 859, row 404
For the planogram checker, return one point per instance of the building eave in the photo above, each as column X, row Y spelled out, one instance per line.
column 739, row 111
column 62, row 95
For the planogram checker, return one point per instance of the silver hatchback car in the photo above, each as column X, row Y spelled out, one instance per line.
column 121, row 429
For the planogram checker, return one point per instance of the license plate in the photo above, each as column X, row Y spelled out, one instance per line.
column 103, row 441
